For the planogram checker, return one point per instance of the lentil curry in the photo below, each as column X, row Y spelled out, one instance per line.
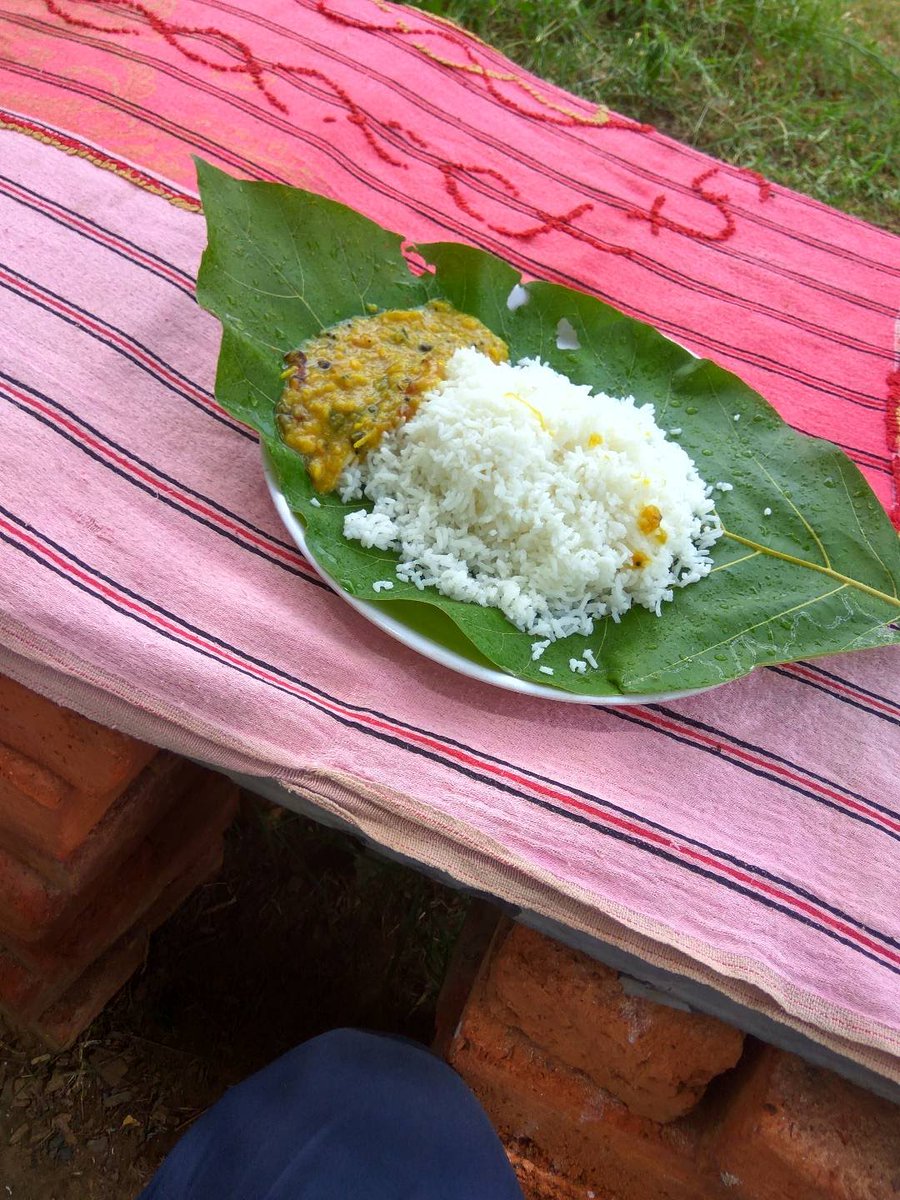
column 346, row 387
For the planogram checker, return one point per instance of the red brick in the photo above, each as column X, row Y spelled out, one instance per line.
column 27, row 783
column 587, row 1133
column 33, row 906
column 89, row 756
column 658, row 1060
column 539, row 1180
column 797, row 1132
column 62, row 1023
column 35, row 827
column 33, row 975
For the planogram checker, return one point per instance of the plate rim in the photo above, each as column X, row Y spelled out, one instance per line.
column 433, row 650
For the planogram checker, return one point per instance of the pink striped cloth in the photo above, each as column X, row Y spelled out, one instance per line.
column 745, row 838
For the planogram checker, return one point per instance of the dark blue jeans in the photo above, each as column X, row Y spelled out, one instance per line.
column 346, row 1115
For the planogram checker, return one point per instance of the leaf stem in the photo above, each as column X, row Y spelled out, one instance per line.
column 802, row 562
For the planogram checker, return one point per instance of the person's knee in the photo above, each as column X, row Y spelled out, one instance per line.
column 376, row 1060
column 340, row 1109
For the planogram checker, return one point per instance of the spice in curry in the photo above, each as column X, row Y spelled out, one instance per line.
column 346, row 387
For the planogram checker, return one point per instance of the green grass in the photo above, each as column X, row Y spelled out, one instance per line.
column 805, row 91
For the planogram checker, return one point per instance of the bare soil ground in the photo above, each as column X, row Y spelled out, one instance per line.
column 302, row 932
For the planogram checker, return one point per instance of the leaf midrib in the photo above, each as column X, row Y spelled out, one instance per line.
column 822, row 570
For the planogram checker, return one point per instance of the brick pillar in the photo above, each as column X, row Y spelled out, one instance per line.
column 600, row 1091
column 101, row 838
column 797, row 1132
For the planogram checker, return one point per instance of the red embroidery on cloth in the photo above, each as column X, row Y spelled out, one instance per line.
column 249, row 64
column 453, row 174
column 171, row 33
column 462, row 41
column 719, row 200
column 765, row 187
column 55, row 9
column 548, row 221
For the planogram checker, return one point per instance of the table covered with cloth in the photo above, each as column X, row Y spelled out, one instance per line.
column 745, row 838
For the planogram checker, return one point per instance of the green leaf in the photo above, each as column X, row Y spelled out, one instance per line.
column 818, row 576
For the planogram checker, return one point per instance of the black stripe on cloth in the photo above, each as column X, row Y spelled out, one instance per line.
column 453, row 121
column 310, row 88
column 244, row 540
column 190, row 138
column 567, row 132
column 55, row 304
column 853, row 396
column 875, row 462
column 857, row 687
column 754, row 748
column 350, row 710
column 52, row 210
column 878, row 462
column 823, row 686
column 685, row 739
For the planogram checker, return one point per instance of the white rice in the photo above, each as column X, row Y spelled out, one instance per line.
column 499, row 492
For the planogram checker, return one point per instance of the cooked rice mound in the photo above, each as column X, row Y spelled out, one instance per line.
column 515, row 488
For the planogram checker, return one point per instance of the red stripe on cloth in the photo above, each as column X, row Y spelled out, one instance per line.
column 871, row 701
column 753, row 360
column 64, row 563
column 115, row 337
column 162, row 485
column 90, row 228
column 722, row 744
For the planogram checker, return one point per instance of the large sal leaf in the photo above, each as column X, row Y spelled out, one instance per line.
column 817, row 576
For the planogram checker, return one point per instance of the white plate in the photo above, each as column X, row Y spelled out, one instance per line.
column 440, row 654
